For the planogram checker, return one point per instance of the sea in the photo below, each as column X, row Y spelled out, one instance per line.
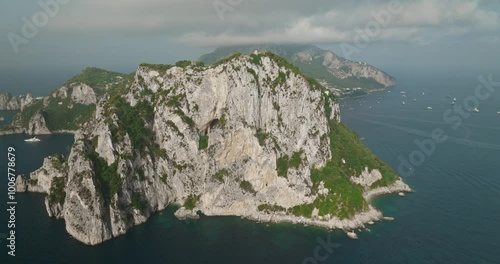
column 453, row 215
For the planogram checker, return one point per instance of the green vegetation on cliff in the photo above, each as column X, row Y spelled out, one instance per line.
column 29, row 111
column 62, row 117
column 284, row 163
column 191, row 201
column 96, row 78
column 107, row 180
column 203, row 143
column 135, row 122
column 57, row 195
column 137, row 202
column 58, row 114
column 344, row 198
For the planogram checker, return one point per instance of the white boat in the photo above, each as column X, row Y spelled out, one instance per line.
column 403, row 102
column 454, row 99
column 453, row 103
column 498, row 112
column 34, row 139
column 428, row 107
column 475, row 110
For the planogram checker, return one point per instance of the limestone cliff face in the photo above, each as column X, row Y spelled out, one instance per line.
column 37, row 125
column 342, row 68
column 9, row 102
column 48, row 179
column 212, row 142
column 57, row 104
column 83, row 94
column 26, row 101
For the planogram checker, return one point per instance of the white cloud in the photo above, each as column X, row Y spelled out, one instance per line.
column 196, row 22
column 419, row 22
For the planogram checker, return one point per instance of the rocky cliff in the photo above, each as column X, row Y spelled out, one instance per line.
column 248, row 136
column 343, row 76
column 9, row 102
column 65, row 109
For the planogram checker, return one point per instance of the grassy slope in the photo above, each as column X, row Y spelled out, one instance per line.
column 345, row 198
column 96, row 78
column 61, row 116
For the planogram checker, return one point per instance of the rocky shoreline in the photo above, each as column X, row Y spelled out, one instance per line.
column 359, row 220
column 398, row 186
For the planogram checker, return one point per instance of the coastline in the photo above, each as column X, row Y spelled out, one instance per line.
column 367, row 93
column 347, row 225
column 21, row 131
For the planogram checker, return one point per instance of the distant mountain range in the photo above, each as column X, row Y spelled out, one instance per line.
column 348, row 78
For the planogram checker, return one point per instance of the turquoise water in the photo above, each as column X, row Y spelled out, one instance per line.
column 453, row 216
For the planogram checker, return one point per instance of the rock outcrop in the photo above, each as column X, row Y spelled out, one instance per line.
column 240, row 138
column 343, row 69
column 9, row 102
column 48, row 179
column 83, row 94
column 37, row 125
column 28, row 100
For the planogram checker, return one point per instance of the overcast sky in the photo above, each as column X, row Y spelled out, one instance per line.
column 118, row 35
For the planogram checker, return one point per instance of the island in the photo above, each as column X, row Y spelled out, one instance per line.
column 249, row 135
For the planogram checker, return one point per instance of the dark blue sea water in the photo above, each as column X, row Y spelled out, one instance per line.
column 8, row 116
column 453, row 216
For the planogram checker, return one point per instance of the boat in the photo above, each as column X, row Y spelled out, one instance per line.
column 414, row 100
column 403, row 102
column 475, row 110
column 34, row 139
column 362, row 138
column 498, row 112
column 454, row 99
column 453, row 103
column 428, row 107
